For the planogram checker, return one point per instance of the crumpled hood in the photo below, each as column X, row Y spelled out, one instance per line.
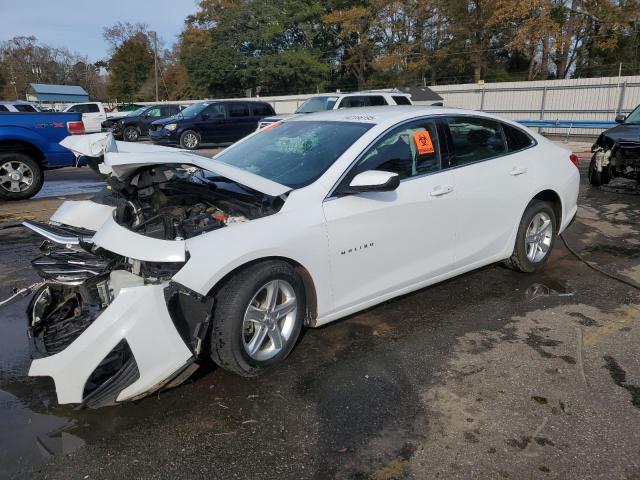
column 121, row 159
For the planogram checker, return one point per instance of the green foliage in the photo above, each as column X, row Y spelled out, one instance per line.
column 129, row 67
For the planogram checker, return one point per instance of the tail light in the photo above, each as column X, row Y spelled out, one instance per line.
column 75, row 128
column 574, row 159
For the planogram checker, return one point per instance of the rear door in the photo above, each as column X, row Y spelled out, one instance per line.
column 213, row 124
column 491, row 183
column 383, row 242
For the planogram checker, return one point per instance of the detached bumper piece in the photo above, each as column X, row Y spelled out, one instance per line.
column 102, row 356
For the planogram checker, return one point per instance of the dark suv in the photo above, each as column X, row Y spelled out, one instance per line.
column 135, row 124
column 210, row 122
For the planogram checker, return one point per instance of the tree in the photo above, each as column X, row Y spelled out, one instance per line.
column 131, row 60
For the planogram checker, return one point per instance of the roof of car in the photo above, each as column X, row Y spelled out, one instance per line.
column 379, row 115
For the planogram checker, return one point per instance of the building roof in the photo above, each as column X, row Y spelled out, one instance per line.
column 421, row 94
column 59, row 93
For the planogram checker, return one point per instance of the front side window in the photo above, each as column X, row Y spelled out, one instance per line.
column 317, row 104
column 354, row 102
column 3, row 108
column 475, row 139
column 194, row 110
column 154, row 112
column 215, row 111
column 238, row 110
column 137, row 112
column 409, row 150
column 294, row 154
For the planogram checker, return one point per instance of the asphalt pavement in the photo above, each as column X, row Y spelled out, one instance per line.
column 493, row 374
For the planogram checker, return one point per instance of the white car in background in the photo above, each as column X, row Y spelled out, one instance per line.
column 17, row 106
column 335, row 101
column 93, row 114
column 299, row 224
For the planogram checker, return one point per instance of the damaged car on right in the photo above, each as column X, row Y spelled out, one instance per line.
column 616, row 152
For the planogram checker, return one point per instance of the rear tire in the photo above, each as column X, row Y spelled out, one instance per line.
column 21, row 177
column 251, row 330
column 190, row 140
column 535, row 238
column 131, row 134
column 597, row 178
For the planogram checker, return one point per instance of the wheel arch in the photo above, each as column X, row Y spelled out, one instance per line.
column 311, row 299
column 12, row 146
column 553, row 199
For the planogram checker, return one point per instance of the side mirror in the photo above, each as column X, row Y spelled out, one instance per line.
column 372, row 181
column 620, row 118
column 205, row 116
column 147, row 116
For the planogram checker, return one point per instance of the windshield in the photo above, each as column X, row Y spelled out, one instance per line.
column 317, row 104
column 136, row 112
column 294, row 154
column 193, row 110
column 634, row 117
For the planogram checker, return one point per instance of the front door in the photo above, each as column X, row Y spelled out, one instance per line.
column 383, row 242
column 151, row 115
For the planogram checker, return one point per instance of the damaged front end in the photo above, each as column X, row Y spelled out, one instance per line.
column 614, row 158
column 108, row 323
column 108, row 329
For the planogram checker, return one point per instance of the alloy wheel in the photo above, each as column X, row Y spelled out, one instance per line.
column 16, row 177
column 190, row 140
column 538, row 237
column 269, row 320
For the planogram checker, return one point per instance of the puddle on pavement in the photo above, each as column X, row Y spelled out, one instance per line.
column 68, row 187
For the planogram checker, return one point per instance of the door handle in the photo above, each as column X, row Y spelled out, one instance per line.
column 515, row 171
column 440, row 190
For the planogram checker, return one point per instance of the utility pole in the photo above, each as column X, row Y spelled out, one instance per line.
column 155, row 60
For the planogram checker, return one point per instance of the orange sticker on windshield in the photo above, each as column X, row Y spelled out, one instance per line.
column 271, row 126
column 423, row 142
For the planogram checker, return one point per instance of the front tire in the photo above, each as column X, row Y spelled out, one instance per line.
column 190, row 140
column 257, row 318
column 131, row 134
column 535, row 238
column 21, row 177
column 597, row 178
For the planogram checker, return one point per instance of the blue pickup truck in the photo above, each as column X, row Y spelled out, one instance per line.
column 29, row 144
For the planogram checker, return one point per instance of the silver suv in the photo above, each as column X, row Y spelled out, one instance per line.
column 334, row 101
column 17, row 106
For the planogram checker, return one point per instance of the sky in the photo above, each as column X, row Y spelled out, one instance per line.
column 78, row 24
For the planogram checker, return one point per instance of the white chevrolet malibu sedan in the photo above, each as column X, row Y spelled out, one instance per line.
column 299, row 224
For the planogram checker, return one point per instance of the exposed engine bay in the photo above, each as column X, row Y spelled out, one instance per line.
column 616, row 153
column 176, row 203
column 83, row 282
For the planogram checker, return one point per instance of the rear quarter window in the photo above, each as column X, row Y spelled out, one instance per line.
column 401, row 100
column 516, row 139
column 262, row 109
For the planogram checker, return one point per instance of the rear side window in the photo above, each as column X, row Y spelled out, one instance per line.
column 262, row 109
column 169, row 111
column 238, row 110
column 516, row 138
column 401, row 100
column 475, row 139
column 92, row 108
column 377, row 100
column 21, row 107
column 3, row 108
